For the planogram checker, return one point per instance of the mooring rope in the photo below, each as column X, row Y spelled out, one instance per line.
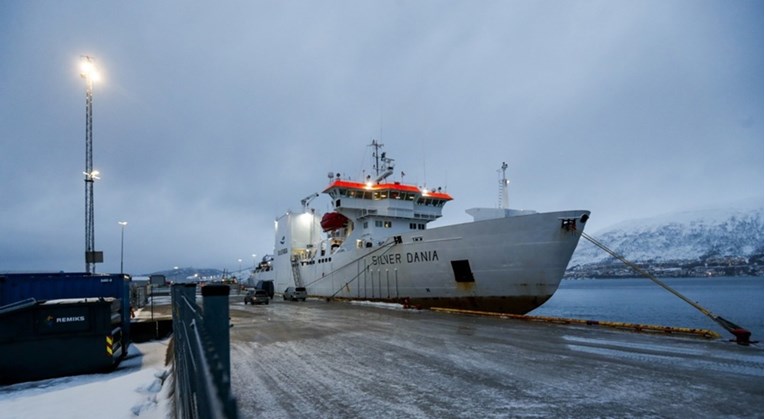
column 742, row 335
column 386, row 247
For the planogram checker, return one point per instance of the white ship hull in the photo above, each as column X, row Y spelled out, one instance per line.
column 510, row 265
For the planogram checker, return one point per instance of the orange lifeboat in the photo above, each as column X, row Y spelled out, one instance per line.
column 333, row 220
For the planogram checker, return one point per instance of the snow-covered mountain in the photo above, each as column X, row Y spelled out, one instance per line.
column 681, row 236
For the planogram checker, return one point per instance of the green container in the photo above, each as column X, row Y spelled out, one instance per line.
column 55, row 338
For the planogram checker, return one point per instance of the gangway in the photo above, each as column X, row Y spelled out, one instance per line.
column 296, row 271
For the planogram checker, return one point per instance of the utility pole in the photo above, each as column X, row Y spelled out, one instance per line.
column 122, row 245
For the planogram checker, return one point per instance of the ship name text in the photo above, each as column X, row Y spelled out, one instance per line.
column 408, row 257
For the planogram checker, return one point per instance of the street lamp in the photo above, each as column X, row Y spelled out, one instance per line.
column 122, row 244
column 89, row 73
column 254, row 261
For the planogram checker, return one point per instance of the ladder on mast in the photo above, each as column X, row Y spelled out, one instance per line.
column 503, row 201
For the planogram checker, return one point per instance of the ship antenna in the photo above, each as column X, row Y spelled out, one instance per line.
column 503, row 186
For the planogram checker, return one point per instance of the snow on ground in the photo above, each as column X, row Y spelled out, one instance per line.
column 134, row 389
column 390, row 306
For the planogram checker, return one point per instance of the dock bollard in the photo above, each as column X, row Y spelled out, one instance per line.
column 216, row 318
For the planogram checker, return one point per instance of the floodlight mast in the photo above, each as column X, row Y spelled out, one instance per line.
column 88, row 73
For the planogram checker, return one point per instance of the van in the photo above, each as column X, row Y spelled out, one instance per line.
column 267, row 286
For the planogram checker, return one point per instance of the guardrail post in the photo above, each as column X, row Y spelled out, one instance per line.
column 190, row 292
column 216, row 319
column 185, row 384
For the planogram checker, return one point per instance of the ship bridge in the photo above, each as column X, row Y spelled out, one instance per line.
column 394, row 200
column 383, row 209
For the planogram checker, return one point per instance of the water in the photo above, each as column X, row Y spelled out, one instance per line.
column 739, row 300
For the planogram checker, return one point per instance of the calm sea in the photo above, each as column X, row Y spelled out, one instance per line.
column 739, row 300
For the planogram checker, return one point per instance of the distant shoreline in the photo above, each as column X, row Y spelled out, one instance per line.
column 732, row 266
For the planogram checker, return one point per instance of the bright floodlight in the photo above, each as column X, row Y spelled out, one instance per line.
column 94, row 175
column 88, row 69
column 122, row 223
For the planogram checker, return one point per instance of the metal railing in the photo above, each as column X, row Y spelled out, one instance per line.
column 202, row 359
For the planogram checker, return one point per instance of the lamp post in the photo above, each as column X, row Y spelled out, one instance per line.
column 88, row 72
column 254, row 262
column 122, row 245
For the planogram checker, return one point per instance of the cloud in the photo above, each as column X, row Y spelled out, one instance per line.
column 212, row 120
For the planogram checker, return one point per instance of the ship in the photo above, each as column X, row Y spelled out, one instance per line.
column 376, row 245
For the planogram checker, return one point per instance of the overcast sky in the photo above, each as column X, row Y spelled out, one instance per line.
column 212, row 119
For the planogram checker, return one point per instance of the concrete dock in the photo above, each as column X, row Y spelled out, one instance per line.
column 320, row 359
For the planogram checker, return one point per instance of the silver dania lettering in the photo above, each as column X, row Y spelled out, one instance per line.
column 408, row 257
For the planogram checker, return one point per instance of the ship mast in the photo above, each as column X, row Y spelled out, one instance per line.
column 387, row 162
column 503, row 186
column 377, row 146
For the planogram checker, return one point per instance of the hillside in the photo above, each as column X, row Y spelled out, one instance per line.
column 683, row 243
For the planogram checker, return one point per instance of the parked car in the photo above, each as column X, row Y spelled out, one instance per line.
column 256, row 297
column 295, row 294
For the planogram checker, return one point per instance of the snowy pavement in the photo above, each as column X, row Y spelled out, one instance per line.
column 319, row 359
column 137, row 388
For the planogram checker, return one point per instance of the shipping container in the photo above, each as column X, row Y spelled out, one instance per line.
column 15, row 287
column 44, row 339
